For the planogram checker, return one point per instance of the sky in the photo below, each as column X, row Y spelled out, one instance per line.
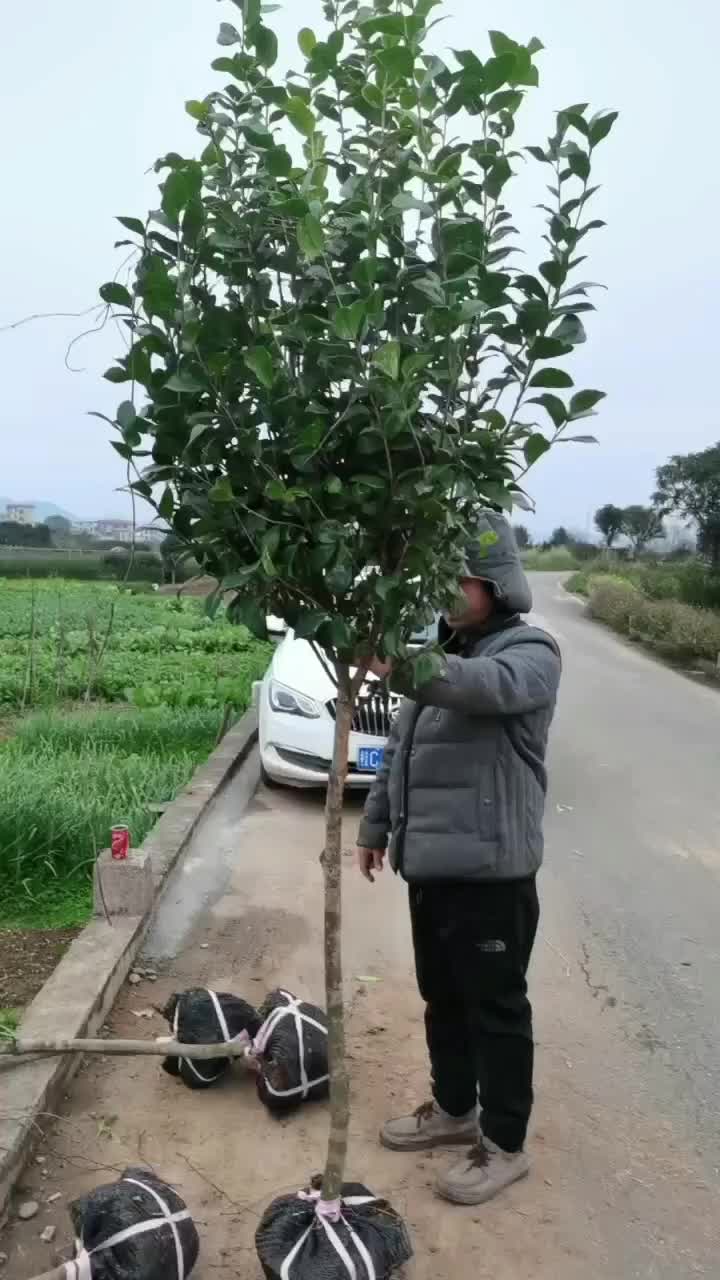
column 94, row 93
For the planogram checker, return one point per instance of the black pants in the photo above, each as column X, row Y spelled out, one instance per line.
column 472, row 950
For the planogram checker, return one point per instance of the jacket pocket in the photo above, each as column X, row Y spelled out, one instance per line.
column 486, row 801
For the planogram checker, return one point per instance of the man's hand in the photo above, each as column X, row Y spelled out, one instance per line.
column 370, row 860
column 379, row 667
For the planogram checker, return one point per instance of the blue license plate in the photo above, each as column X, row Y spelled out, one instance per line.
column 370, row 759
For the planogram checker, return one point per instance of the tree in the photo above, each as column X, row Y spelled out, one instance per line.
column 641, row 525
column 338, row 357
column 522, row 536
column 559, row 537
column 58, row 525
column 609, row 522
column 15, row 534
column 689, row 484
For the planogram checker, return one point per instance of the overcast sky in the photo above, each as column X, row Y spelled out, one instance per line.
column 93, row 93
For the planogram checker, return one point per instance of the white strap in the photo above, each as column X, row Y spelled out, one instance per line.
column 291, row 1009
column 220, row 1016
column 81, row 1267
column 224, row 1031
column 336, row 1242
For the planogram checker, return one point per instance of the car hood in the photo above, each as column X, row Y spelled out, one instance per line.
column 296, row 665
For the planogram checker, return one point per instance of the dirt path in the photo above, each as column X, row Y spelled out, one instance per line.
column 615, row 1190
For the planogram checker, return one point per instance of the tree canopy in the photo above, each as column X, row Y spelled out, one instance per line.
column 689, row 484
column 641, row 525
column 609, row 522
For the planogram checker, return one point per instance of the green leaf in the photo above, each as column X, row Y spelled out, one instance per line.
column 579, row 163
column 116, row 294
column 600, row 126
column 184, row 383
column 198, row 110
column 228, row 34
column 570, row 331
column 333, row 484
column 126, row 415
column 398, row 63
column 311, row 238
column 198, row 430
column 405, row 201
column 553, row 405
column 535, row 446
column 278, row 162
column 387, row 358
column 427, row 667
column 583, row 401
column 579, row 439
column 266, row 45
column 116, row 375
column 547, row 348
column 260, row 361
column 539, row 154
column 222, row 490
column 267, row 562
column 414, row 364
column 307, row 41
column 181, row 185
column 501, row 43
column 133, row 224
column 348, row 321
column 166, row 505
column 246, row 612
column 308, row 623
column 551, row 378
column 300, row 116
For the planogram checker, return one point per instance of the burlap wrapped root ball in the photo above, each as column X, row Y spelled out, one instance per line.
column 361, row 1237
column 291, row 1050
column 202, row 1016
column 137, row 1228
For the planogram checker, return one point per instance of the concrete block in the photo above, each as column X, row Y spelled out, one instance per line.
column 125, row 887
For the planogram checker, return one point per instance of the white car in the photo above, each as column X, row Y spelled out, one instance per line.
column 296, row 712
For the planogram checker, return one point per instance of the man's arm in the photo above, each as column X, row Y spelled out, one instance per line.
column 375, row 824
column 524, row 677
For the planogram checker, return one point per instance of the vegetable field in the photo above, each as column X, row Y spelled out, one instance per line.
column 108, row 702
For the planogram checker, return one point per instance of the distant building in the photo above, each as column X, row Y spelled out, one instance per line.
column 121, row 531
column 21, row 512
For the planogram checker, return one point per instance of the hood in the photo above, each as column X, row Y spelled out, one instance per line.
column 499, row 562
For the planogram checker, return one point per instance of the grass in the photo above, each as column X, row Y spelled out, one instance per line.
column 65, row 780
column 555, row 560
column 150, row 680
column 9, row 1023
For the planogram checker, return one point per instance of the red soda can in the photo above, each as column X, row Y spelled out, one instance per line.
column 119, row 842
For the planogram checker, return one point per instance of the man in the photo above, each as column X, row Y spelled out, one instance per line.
column 460, row 800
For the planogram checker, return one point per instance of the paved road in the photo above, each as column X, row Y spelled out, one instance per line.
column 634, row 843
column 626, row 984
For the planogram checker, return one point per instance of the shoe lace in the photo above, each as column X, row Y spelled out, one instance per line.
column 479, row 1156
column 424, row 1112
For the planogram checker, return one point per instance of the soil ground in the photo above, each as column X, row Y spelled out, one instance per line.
column 27, row 958
column 616, row 1189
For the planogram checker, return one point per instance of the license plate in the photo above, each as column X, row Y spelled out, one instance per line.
column 370, row 759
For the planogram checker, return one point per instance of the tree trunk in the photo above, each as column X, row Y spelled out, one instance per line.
column 334, row 996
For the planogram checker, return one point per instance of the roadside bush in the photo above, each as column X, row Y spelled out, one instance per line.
column 615, row 601
column 678, row 631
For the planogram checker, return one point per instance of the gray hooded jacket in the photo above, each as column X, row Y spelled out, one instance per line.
column 461, row 792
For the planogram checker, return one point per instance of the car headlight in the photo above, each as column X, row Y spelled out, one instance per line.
column 292, row 703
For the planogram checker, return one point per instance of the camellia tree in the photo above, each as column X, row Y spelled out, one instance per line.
column 609, row 522
column 334, row 360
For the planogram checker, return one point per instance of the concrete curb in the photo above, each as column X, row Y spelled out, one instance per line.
column 77, row 998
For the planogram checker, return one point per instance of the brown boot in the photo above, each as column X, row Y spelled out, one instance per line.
column 429, row 1126
column 482, row 1174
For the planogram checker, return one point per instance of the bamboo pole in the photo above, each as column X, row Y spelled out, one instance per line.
column 125, row 1048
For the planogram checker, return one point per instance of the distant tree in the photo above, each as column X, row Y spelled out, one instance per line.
column 689, row 484
column 559, row 537
column 641, row 525
column 609, row 522
column 58, row 524
column 522, row 537
column 14, row 534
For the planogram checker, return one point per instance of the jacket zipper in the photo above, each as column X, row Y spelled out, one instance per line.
column 400, row 846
